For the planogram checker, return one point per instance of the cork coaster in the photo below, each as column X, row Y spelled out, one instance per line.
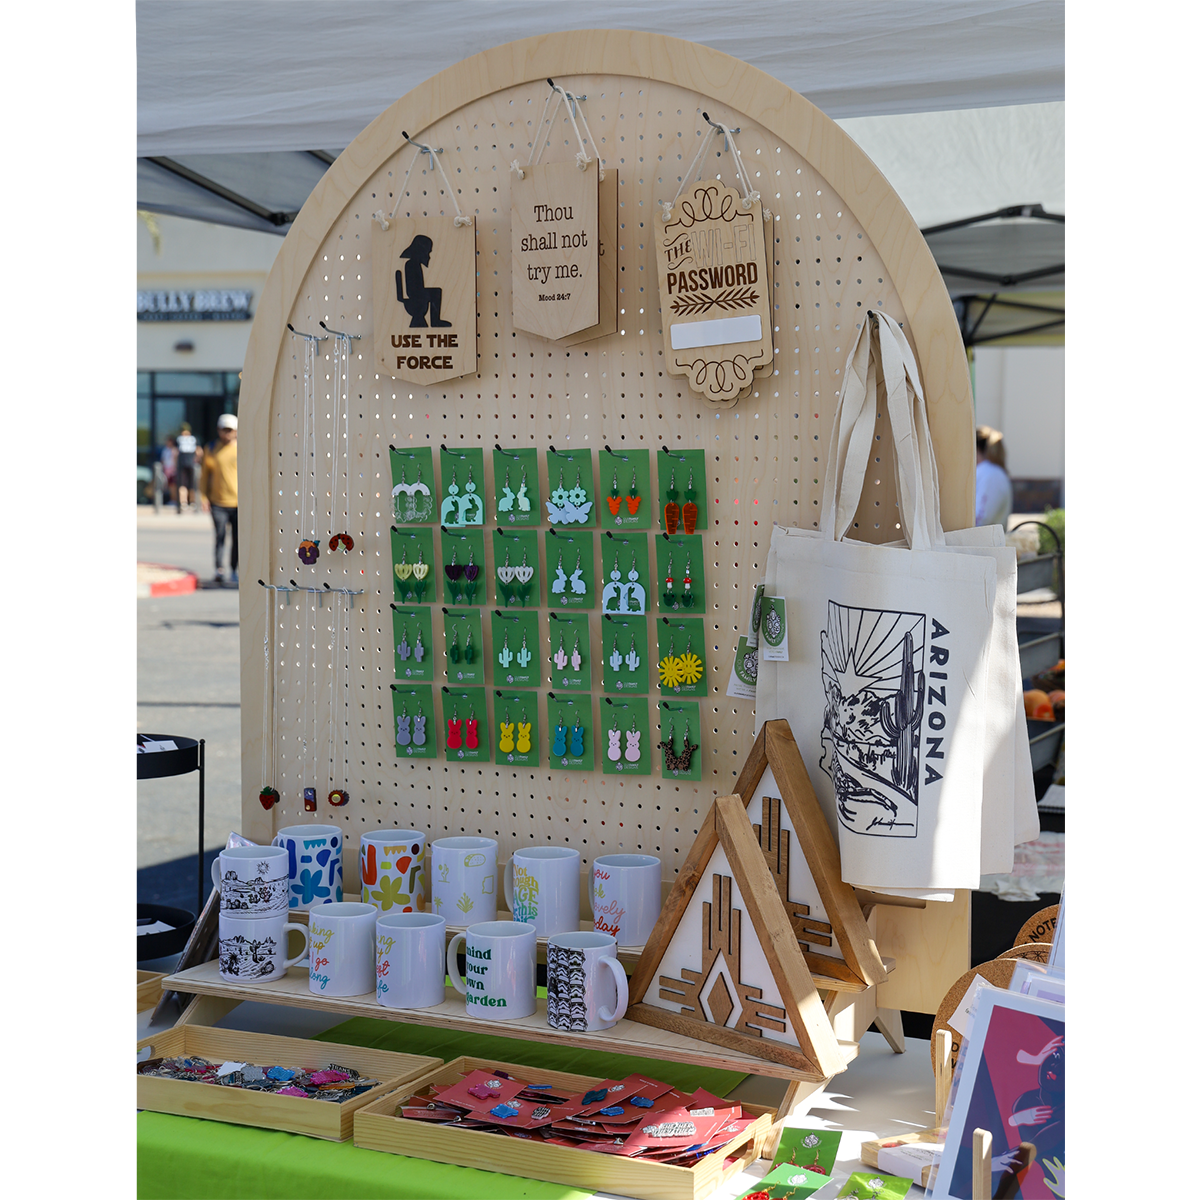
column 1039, row 927
column 998, row 972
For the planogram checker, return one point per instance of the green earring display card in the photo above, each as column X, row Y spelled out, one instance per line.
column 624, row 729
column 625, row 565
column 462, row 566
column 626, row 653
column 679, row 740
column 517, row 722
column 412, row 486
column 625, row 482
column 464, row 656
column 570, row 652
column 682, row 654
column 464, row 710
column 517, row 651
column 572, row 491
column 570, row 567
column 679, row 559
column 462, row 487
column 414, row 579
column 570, row 729
column 415, row 724
column 682, row 491
column 412, row 630
column 518, row 498
column 518, row 578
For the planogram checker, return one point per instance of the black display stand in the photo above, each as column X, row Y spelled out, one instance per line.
column 189, row 756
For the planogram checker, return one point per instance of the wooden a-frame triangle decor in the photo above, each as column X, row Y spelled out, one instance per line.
column 704, row 974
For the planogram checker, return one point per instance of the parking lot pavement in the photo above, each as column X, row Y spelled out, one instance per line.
column 188, row 684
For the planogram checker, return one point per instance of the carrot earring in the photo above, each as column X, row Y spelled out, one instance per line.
column 671, row 508
column 633, row 501
column 614, row 497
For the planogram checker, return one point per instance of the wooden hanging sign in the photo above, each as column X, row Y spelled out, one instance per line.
column 606, row 252
column 713, row 285
column 424, row 292
column 555, row 249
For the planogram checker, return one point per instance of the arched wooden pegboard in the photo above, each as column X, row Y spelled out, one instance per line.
column 843, row 242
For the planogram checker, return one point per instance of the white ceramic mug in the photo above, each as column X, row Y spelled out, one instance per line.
column 463, row 870
column 341, row 949
column 410, row 960
column 586, row 987
column 501, row 982
column 392, row 867
column 541, row 885
column 254, row 949
column 314, row 864
column 252, row 881
column 626, row 896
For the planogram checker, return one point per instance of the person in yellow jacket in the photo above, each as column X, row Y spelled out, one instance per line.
column 218, row 487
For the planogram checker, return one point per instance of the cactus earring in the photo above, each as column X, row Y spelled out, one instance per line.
column 453, row 652
column 419, row 648
column 560, row 655
column 403, row 651
column 505, row 657
column 469, row 649
column 576, row 657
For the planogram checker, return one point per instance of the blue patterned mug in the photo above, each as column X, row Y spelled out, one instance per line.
column 314, row 864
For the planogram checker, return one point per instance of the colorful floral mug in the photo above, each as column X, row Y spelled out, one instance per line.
column 314, row 864
column 392, row 867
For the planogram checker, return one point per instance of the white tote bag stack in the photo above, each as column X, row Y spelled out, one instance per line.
column 902, row 685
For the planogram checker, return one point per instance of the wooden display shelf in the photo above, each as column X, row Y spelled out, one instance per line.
column 376, row 1127
column 265, row 1110
column 149, row 988
column 626, row 1037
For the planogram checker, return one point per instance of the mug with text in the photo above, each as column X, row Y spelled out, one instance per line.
column 391, row 865
column 252, row 881
column 626, row 896
column 586, row 987
column 254, row 949
column 410, row 960
column 314, row 864
column 541, row 886
column 501, row 979
column 341, row 949
column 463, row 870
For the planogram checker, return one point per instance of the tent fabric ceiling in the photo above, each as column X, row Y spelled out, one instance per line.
column 272, row 75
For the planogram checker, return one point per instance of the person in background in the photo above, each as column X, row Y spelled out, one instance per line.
column 993, row 488
column 185, row 468
column 219, row 490
column 168, row 458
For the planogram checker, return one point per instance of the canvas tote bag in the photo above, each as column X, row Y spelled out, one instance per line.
column 886, row 687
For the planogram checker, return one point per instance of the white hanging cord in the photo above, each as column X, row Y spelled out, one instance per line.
column 750, row 195
column 346, row 422
column 310, row 408
column 337, row 401
column 420, row 148
column 268, row 689
column 558, row 95
column 334, row 676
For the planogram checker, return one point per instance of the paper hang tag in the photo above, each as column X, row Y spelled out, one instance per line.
column 743, row 674
column 772, row 630
column 713, row 288
column 555, row 244
column 424, row 292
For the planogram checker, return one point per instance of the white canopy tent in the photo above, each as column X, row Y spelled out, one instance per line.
column 241, row 108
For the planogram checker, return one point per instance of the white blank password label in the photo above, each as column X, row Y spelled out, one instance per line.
column 724, row 331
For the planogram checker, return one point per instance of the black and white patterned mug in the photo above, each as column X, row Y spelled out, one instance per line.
column 586, row 988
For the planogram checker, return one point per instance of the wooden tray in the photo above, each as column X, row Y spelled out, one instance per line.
column 296, row 1114
column 376, row 1127
column 149, row 988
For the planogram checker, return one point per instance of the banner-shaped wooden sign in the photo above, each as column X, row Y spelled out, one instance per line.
column 424, row 293
column 606, row 251
column 713, row 286
column 555, row 245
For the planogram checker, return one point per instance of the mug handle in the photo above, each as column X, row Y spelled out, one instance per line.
column 591, row 893
column 452, row 963
column 303, row 929
column 216, row 874
column 508, row 884
column 622, row 983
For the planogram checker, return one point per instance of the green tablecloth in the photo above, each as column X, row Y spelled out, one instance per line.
column 188, row 1157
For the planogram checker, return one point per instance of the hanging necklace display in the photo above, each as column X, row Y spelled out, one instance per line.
column 555, row 228
column 267, row 795
column 339, row 686
column 713, row 278
column 671, row 508
column 309, row 549
column 343, row 347
column 423, row 271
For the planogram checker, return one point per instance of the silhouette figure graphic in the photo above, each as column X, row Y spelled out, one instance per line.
column 421, row 299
